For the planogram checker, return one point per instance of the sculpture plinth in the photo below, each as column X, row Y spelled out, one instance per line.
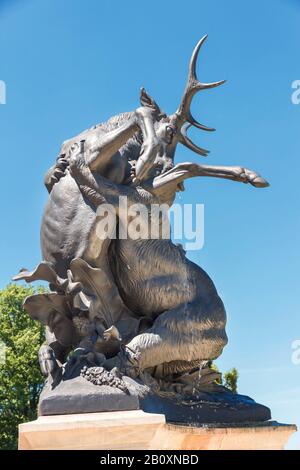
column 133, row 430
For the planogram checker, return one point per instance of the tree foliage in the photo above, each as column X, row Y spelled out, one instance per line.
column 20, row 377
column 229, row 379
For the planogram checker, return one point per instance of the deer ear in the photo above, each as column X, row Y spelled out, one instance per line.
column 149, row 102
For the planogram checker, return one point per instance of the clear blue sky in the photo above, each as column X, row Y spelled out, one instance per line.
column 68, row 65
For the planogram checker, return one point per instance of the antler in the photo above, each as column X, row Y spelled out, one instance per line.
column 185, row 140
column 184, row 113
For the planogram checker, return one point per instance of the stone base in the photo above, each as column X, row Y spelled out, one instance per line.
column 132, row 430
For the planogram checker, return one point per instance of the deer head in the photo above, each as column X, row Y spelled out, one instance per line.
column 173, row 130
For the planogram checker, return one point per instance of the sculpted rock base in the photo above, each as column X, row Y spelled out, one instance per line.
column 77, row 395
column 214, row 404
column 223, row 407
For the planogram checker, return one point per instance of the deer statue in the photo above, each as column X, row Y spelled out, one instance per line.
column 139, row 305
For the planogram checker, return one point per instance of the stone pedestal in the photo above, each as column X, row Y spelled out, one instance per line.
column 130, row 430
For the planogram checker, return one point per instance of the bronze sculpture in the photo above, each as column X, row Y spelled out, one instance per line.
column 137, row 314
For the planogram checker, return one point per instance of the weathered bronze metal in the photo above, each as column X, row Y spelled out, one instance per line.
column 131, row 315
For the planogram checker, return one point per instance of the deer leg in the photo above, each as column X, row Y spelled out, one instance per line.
column 191, row 332
column 172, row 178
column 234, row 173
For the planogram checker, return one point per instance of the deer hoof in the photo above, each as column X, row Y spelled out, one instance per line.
column 256, row 180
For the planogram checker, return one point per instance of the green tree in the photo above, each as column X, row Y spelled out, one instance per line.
column 20, row 377
column 229, row 378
